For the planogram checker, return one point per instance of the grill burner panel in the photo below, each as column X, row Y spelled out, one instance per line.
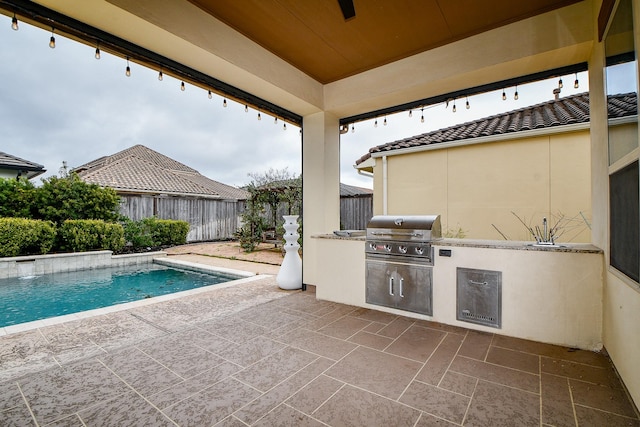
column 402, row 249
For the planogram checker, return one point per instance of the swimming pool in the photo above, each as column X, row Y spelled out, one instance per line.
column 40, row 297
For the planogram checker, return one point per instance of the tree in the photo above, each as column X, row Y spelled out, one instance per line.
column 271, row 188
column 16, row 198
column 69, row 197
column 253, row 223
column 277, row 186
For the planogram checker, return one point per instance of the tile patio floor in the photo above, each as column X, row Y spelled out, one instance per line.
column 255, row 355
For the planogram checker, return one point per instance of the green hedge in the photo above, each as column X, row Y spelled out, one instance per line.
column 19, row 236
column 80, row 235
column 154, row 232
column 170, row 232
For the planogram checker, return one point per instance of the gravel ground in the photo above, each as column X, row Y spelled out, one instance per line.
column 265, row 260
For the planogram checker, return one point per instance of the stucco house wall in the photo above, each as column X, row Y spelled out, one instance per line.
column 7, row 173
column 476, row 186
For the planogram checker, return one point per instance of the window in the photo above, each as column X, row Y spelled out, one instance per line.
column 624, row 179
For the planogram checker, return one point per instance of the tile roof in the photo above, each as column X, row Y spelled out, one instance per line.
column 353, row 191
column 12, row 162
column 140, row 169
column 558, row 112
column 8, row 161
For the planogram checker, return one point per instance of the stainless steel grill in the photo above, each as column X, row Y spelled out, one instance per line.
column 399, row 261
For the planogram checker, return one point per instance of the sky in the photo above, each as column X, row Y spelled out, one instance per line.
column 64, row 105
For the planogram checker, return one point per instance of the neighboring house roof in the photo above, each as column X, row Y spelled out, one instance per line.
column 352, row 191
column 345, row 189
column 558, row 112
column 142, row 170
column 7, row 161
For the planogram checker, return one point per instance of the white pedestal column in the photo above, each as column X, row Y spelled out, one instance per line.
column 290, row 274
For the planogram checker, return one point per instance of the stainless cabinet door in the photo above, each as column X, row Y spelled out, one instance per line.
column 414, row 289
column 401, row 286
column 381, row 284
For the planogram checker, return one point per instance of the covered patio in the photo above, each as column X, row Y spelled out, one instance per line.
column 253, row 355
column 311, row 64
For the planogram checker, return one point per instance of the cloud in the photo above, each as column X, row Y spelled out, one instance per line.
column 64, row 105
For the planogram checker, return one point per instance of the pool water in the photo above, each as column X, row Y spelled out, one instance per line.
column 40, row 297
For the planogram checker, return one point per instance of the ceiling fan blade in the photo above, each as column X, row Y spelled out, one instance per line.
column 348, row 10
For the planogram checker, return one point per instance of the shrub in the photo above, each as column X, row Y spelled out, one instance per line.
column 137, row 234
column 91, row 234
column 19, row 236
column 169, row 231
column 153, row 232
column 253, row 224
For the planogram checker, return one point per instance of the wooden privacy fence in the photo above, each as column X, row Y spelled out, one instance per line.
column 209, row 219
column 219, row 219
column 355, row 212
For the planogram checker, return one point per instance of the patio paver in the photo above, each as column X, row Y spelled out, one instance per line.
column 255, row 355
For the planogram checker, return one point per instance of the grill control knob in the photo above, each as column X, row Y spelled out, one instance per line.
column 372, row 246
column 402, row 249
column 387, row 248
column 420, row 250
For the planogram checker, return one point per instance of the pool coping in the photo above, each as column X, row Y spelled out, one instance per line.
column 246, row 277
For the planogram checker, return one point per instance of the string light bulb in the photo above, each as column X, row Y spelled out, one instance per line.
column 275, row 120
column 284, row 126
column 515, row 95
column 182, row 86
column 52, row 40
column 209, row 95
column 467, row 105
column 127, row 71
column 410, row 113
column 422, row 116
column 246, row 108
column 385, row 121
column 97, row 55
column 14, row 23
column 454, row 109
column 259, row 116
column 353, row 129
column 560, row 83
column 375, row 124
column 224, row 104
column 160, row 75
column 504, row 95
column 576, row 84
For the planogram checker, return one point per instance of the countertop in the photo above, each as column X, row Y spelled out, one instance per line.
column 358, row 235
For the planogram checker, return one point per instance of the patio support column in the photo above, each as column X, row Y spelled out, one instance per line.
column 599, row 150
column 320, row 185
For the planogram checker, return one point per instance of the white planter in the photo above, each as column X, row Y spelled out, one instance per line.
column 290, row 274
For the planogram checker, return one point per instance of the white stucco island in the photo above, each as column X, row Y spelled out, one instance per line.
column 549, row 294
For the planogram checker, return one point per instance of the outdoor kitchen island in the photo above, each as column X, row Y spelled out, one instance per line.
column 548, row 294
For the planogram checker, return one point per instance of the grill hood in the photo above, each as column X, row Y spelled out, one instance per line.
column 405, row 227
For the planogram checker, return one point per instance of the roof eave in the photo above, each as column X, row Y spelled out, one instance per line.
column 366, row 166
column 35, row 173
